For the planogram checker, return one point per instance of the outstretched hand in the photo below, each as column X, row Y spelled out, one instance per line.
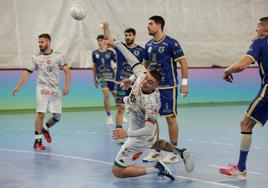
column 228, row 77
column 125, row 84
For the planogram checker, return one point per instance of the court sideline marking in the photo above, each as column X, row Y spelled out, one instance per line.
column 110, row 164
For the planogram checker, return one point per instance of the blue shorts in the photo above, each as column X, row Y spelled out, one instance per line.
column 120, row 94
column 168, row 101
column 108, row 84
column 258, row 109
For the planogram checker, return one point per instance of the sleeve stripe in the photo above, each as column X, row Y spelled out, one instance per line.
column 251, row 57
column 179, row 58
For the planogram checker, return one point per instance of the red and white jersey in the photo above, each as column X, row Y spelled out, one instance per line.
column 48, row 70
column 142, row 107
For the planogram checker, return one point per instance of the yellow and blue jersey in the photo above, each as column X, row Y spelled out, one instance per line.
column 103, row 61
column 162, row 56
column 258, row 109
column 258, row 51
column 124, row 70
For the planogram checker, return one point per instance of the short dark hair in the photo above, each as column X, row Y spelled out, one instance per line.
column 100, row 37
column 130, row 30
column 157, row 75
column 158, row 20
column 45, row 35
column 264, row 20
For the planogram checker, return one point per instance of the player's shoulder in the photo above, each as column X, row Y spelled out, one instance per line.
column 57, row 54
column 36, row 55
column 263, row 40
column 138, row 47
column 95, row 52
column 150, row 42
column 170, row 40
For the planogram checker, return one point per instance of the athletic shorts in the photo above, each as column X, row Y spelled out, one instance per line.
column 47, row 100
column 132, row 150
column 258, row 109
column 168, row 101
column 107, row 84
column 120, row 94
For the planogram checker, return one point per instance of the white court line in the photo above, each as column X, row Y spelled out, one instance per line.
column 208, row 182
column 58, row 155
column 110, row 164
column 250, row 172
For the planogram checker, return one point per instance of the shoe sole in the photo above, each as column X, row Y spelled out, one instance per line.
column 236, row 177
column 188, row 161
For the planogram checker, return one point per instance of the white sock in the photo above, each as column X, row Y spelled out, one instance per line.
column 45, row 127
column 151, row 170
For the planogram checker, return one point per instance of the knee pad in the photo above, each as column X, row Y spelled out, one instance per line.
column 56, row 117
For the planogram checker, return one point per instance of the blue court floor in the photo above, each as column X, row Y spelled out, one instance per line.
column 82, row 152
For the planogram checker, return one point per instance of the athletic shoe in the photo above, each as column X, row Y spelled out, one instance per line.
column 109, row 120
column 152, row 156
column 188, row 161
column 39, row 146
column 171, row 158
column 47, row 135
column 124, row 119
column 163, row 170
column 234, row 172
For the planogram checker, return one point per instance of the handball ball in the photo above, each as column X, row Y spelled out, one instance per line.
column 78, row 12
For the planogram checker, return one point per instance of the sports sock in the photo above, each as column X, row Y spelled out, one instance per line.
column 246, row 139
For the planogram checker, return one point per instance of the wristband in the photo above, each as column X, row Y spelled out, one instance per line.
column 184, row 82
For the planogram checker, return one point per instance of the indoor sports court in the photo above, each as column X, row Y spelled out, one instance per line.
column 213, row 35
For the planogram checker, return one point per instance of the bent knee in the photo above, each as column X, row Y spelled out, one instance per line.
column 56, row 117
column 118, row 172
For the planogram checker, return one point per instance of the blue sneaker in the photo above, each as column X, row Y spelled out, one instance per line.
column 163, row 170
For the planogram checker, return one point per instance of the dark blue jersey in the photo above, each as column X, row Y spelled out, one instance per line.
column 103, row 60
column 258, row 51
column 162, row 56
column 124, row 70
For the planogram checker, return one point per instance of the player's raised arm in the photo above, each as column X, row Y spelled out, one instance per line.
column 137, row 67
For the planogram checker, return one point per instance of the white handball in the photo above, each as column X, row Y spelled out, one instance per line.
column 78, row 12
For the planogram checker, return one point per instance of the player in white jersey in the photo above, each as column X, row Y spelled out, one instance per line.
column 143, row 106
column 48, row 64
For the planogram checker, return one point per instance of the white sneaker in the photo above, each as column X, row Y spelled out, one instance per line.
column 171, row 158
column 152, row 156
column 109, row 120
column 188, row 161
column 124, row 119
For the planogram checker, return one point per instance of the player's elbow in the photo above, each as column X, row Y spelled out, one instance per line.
column 118, row 172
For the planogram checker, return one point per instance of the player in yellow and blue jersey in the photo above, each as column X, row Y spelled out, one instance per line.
column 257, row 112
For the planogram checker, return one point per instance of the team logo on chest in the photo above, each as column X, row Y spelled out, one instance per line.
column 107, row 56
column 136, row 52
column 161, row 49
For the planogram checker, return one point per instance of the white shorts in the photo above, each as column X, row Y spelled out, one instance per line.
column 47, row 100
column 132, row 150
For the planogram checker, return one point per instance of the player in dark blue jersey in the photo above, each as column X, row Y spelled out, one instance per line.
column 103, row 73
column 162, row 53
column 123, row 72
column 257, row 112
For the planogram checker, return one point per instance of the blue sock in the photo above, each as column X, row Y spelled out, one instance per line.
column 118, row 126
column 108, row 113
column 242, row 160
